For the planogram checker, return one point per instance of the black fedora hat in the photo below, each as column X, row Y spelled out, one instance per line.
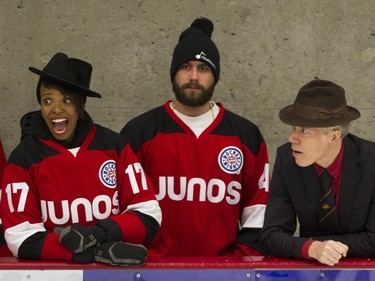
column 70, row 72
column 319, row 103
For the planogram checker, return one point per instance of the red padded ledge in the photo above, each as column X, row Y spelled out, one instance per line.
column 192, row 263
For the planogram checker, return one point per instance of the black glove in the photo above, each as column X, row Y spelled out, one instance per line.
column 78, row 238
column 120, row 253
column 85, row 257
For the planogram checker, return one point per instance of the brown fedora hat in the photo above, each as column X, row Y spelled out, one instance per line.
column 70, row 72
column 319, row 103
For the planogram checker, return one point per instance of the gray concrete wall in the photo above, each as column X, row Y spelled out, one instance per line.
column 269, row 49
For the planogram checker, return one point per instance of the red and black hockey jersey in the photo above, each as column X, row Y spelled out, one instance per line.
column 4, row 251
column 208, row 187
column 46, row 184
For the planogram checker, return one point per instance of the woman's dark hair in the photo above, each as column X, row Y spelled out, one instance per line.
column 77, row 98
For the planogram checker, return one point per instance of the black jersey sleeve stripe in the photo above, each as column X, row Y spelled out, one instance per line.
column 151, row 224
column 32, row 247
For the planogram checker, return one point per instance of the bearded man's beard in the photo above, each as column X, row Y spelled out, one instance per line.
column 193, row 99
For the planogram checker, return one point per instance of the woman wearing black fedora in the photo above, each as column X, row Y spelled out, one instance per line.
column 324, row 178
column 72, row 189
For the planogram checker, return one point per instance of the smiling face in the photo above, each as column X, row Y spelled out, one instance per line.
column 59, row 112
column 313, row 145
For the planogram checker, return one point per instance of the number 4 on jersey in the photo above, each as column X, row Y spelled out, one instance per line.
column 264, row 180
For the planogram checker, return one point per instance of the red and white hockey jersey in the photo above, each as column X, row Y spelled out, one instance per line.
column 208, row 187
column 47, row 185
column 4, row 251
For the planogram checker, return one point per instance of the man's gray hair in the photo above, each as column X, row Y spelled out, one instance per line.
column 344, row 129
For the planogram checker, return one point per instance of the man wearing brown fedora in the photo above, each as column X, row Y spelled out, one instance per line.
column 324, row 178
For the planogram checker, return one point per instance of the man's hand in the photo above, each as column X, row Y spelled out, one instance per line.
column 77, row 238
column 328, row 252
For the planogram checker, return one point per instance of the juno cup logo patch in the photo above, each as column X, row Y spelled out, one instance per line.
column 107, row 174
column 231, row 160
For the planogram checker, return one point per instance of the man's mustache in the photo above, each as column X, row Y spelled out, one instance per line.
column 193, row 85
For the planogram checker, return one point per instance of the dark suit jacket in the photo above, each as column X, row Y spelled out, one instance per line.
column 295, row 193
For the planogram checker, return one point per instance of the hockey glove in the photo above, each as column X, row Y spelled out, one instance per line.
column 78, row 238
column 85, row 257
column 120, row 253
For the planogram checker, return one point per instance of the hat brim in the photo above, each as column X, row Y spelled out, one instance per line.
column 64, row 82
column 288, row 116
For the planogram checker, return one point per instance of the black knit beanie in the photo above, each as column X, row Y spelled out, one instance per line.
column 195, row 44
